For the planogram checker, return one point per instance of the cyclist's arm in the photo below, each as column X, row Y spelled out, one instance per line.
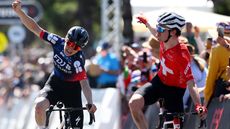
column 143, row 20
column 151, row 29
column 193, row 92
column 86, row 90
column 25, row 19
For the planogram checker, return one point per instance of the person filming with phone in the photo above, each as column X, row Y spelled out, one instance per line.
column 217, row 84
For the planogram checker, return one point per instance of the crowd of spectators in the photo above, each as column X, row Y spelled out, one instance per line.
column 137, row 64
column 23, row 72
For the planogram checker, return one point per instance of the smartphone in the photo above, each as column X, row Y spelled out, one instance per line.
column 145, row 56
column 220, row 31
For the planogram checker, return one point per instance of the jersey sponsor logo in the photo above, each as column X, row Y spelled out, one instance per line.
column 187, row 68
column 165, row 69
column 52, row 38
column 77, row 65
column 66, row 67
column 77, row 120
column 62, row 64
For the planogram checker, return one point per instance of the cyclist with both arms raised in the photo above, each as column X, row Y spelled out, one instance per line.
column 173, row 76
column 68, row 77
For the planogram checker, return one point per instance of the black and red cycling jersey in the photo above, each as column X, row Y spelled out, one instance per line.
column 67, row 68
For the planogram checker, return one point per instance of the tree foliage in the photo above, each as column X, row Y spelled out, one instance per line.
column 60, row 15
column 222, row 7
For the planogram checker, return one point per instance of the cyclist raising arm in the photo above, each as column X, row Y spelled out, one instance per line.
column 68, row 77
column 174, row 74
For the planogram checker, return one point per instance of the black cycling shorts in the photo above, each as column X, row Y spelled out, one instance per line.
column 67, row 92
column 173, row 96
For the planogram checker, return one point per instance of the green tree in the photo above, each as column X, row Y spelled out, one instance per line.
column 60, row 15
column 222, row 7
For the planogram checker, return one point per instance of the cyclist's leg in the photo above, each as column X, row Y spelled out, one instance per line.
column 173, row 98
column 146, row 95
column 41, row 104
column 46, row 96
column 72, row 98
column 173, row 101
column 136, row 105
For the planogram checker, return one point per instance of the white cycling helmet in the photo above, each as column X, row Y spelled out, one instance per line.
column 171, row 20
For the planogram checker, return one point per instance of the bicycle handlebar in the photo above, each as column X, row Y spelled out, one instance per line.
column 91, row 115
column 181, row 114
column 60, row 105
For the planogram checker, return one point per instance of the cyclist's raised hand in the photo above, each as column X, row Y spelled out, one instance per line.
column 16, row 5
column 142, row 19
column 202, row 111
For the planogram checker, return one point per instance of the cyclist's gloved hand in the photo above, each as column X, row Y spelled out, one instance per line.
column 201, row 110
column 142, row 19
column 91, row 108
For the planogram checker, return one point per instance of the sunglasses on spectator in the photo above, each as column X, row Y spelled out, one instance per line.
column 72, row 44
column 160, row 29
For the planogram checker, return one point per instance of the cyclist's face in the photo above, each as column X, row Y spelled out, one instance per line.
column 70, row 48
column 162, row 33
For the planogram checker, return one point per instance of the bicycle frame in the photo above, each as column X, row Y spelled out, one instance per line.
column 168, row 123
column 176, row 122
column 65, row 124
column 178, row 118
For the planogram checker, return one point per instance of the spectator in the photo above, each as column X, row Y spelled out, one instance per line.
column 190, row 36
column 136, row 47
column 128, row 65
column 199, row 71
column 109, row 65
column 206, row 52
column 154, row 45
column 218, row 61
column 199, row 41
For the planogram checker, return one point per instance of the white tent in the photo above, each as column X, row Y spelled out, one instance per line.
column 204, row 20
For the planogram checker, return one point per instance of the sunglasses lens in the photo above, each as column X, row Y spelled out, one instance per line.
column 160, row 29
column 70, row 44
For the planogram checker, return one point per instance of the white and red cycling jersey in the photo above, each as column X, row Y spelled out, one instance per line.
column 175, row 69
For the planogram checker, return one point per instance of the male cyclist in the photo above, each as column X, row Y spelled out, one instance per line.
column 174, row 74
column 68, row 77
